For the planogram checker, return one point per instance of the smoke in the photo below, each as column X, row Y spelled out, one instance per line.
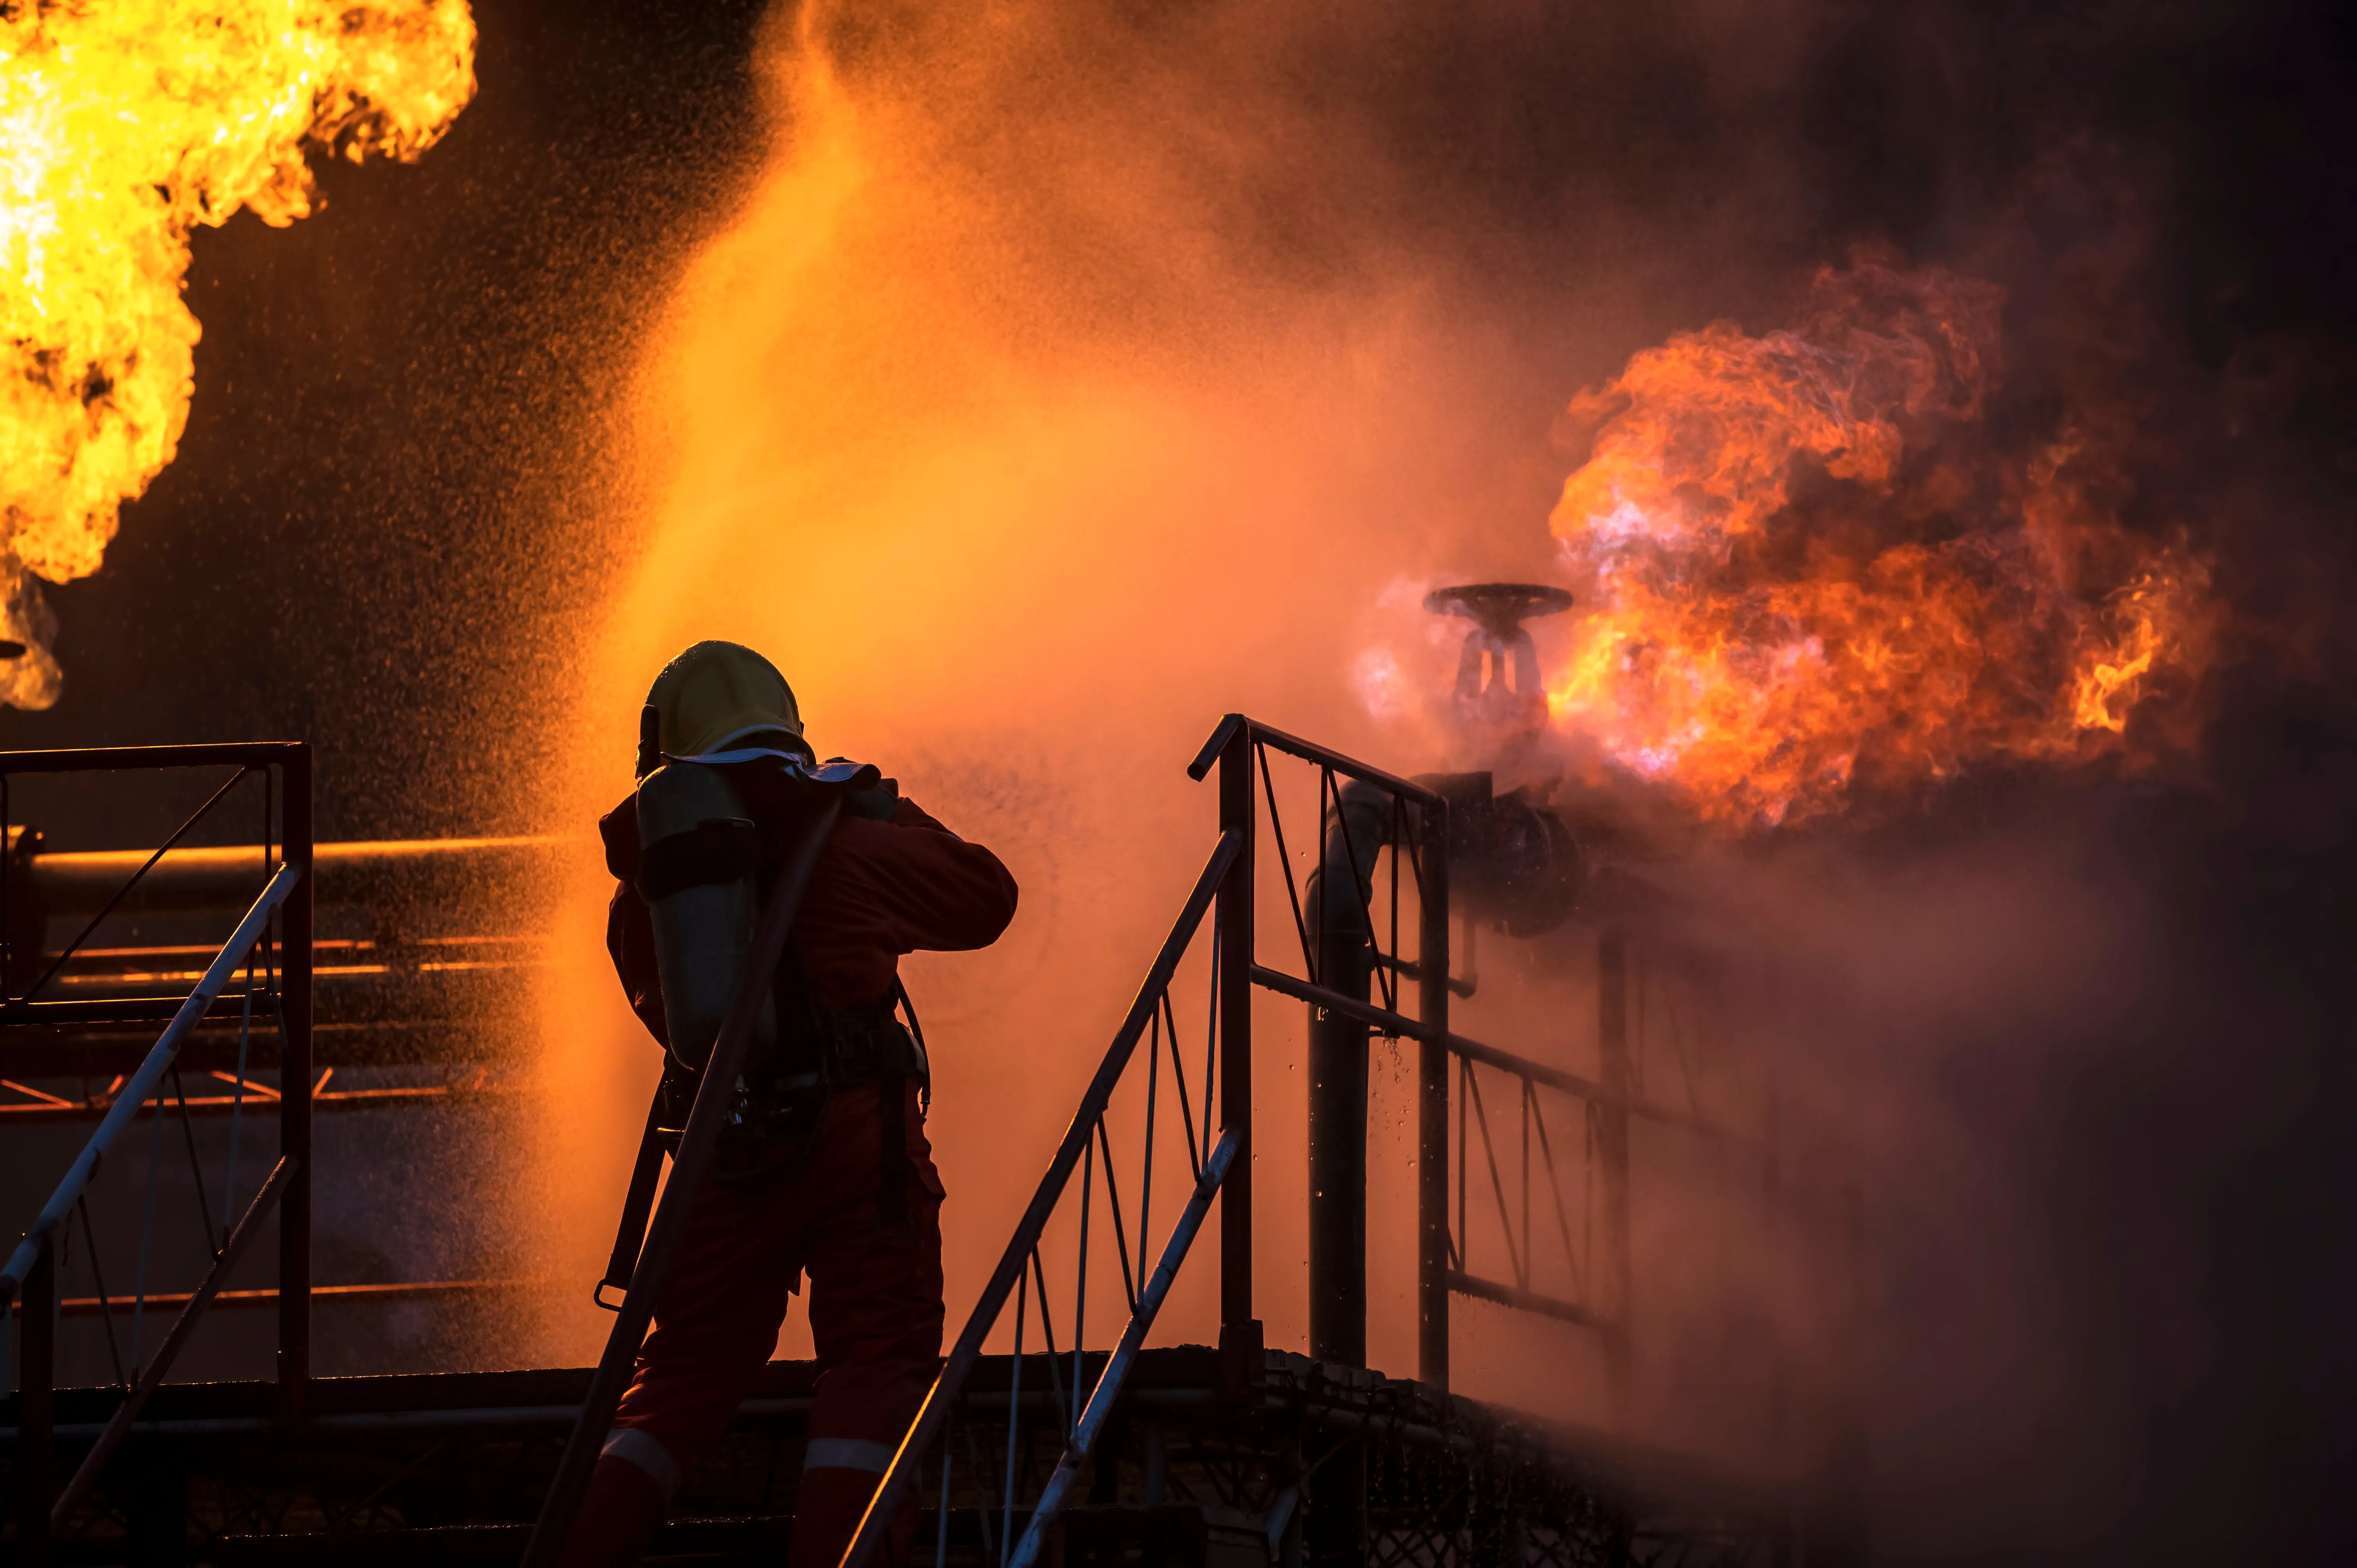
column 1076, row 375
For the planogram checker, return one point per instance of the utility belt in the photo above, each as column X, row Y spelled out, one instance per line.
column 776, row 1105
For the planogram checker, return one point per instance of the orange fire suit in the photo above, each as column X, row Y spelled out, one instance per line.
column 880, row 888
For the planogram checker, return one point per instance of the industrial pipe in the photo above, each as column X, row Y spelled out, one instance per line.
column 364, row 871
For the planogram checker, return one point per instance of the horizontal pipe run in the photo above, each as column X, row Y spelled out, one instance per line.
column 145, row 1081
column 36, row 1114
column 1309, row 751
column 74, row 882
column 416, row 1290
column 1523, row 1300
column 107, row 1010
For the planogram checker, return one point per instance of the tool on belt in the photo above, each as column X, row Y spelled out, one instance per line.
column 704, row 864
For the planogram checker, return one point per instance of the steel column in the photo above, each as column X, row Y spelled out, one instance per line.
column 1432, row 1106
column 1612, row 1154
column 1240, row 1331
column 1335, row 1531
column 37, row 1382
column 1338, row 1132
column 294, row 1095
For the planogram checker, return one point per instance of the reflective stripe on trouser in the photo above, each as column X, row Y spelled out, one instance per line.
column 640, row 1448
column 875, row 1316
column 847, row 1453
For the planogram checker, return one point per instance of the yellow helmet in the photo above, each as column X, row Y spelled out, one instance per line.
column 709, row 698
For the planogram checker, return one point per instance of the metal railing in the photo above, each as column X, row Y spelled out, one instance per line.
column 274, row 937
column 1352, row 965
column 1012, row 1505
column 1217, row 1167
column 1374, row 810
column 1353, row 968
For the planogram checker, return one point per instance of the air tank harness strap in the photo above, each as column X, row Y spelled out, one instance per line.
column 637, row 1204
column 674, row 1095
column 892, row 1189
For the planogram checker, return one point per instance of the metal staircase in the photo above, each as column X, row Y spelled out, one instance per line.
column 1089, row 1447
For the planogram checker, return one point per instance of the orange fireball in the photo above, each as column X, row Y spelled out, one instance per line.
column 124, row 126
column 1807, row 576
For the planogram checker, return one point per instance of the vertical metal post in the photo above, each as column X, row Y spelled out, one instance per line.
column 1335, row 1533
column 1240, row 1331
column 1431, row 1109
column 295, row 1096
column 1337, row 1122
column 1612, row 1155
column 36, row 1382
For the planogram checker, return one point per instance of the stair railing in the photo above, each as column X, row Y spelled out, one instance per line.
column 1411, row 822
column 1212, row 1162
column 275, row 932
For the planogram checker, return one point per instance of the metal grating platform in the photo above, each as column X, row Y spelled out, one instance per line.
column 451, row 1468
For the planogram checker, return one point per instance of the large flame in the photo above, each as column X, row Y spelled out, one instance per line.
column 123, row 125
column 1807, row 569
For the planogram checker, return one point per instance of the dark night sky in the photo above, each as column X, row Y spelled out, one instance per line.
column 383, row 527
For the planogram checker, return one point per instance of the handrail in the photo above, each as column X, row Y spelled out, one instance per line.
column 142, row 1083
column 1309, row 751
column 1385, row 1021
column 118, row 1426
column 29, row 1281
column 933, row 1414
column 1092, row 1422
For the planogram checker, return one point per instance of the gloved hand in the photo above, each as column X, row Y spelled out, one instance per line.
column 876, row 802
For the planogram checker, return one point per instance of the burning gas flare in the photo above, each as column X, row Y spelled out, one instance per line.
column 1808, row 571
column 123, row 125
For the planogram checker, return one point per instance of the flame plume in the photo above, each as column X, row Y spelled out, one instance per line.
column 123, row 125
column 1808, row 576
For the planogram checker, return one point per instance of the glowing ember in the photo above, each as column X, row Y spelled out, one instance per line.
column 124, row 124
column 1806, row 573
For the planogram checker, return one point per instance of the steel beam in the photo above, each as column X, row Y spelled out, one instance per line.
column 1612, row 1157
column 1433, row 988
column 296, row 1079
column 1240, row 1331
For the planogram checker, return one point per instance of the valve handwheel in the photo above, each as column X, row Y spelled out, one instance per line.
column 1498, row 608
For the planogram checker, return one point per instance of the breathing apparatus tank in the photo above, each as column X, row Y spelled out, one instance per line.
column 699, row 875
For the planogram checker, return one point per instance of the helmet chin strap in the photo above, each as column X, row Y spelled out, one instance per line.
column 650, row 740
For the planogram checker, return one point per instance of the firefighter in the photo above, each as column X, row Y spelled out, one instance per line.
column 825, row 1169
